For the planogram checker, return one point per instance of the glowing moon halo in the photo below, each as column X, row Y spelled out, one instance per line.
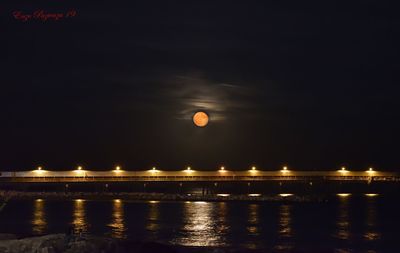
column 200, row 119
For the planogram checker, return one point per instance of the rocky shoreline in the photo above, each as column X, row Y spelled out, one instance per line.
column 62, row 243
column 157, row 196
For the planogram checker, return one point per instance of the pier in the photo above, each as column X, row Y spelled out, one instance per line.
column 154, row 175
column 201, row 182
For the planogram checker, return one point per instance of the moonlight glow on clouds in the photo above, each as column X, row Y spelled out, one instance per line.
column 219, row 100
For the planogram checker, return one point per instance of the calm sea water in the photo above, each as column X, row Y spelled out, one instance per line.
column 348, row 222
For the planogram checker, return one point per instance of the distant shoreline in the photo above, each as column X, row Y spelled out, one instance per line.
column 157, row 196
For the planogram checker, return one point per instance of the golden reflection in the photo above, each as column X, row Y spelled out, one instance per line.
column 118, row 223
column 371, row 233
column 200, row 225
column 153, row 223
column 223, row 195
column 253, row 225
column 39, row 223
column 79, row 218
column 285, row 221
column 343, row 222
column 285, row 228
column 252, row 228
column 222, row 213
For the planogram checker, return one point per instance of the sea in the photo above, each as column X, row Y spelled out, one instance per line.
column 344, row 223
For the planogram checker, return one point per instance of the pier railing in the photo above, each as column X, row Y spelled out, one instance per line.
column 194, row 175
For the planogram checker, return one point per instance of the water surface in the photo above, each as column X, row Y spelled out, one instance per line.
column 364, row 223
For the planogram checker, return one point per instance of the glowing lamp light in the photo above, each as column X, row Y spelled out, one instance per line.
column 254, row 195
column 80, row 171
column 371, row 194
column 285, row 194
column 343, row 195
column 154, row 170
column 39, row 170
column 370, row 170
column 223, row 195
column 117, row 169
column 285, row 169
column 343, row 170
column 222, row 169
column 253, row 170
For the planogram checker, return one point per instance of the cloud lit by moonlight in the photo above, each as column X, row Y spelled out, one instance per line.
column 219, row 100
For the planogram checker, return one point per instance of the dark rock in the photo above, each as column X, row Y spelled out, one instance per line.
column 147, row 247
column 7, row 237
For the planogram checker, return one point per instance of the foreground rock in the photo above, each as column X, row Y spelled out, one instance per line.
column 7, row 237
column 58, row 243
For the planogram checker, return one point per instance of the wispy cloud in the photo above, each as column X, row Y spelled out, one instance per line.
column 195, row 93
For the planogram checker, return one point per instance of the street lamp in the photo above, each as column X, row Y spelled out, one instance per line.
column 370, row 170
column 285, row 169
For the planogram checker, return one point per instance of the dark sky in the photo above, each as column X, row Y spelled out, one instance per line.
column 313, row 85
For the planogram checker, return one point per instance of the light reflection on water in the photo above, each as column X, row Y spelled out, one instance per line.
column 343, row 223
column 79, row 217
column 200, row 225
column 285, row 228
column 39, row 222
column 350, row 222
column 222, row 213
column 117, row 225
column 153, row 218
column 371, row 233
column 252, row 228
column 253, row 225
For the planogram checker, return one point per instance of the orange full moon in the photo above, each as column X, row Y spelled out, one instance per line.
column 200, row 119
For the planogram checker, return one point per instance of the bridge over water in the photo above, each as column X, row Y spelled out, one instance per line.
column 189, row 175
column 205, row 182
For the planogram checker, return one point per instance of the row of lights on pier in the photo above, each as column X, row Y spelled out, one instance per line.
column 222, row 169
column 344, row 170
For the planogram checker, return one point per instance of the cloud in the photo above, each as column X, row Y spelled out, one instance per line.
column 195, row 92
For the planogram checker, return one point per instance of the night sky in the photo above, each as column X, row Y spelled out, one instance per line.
column 311, row 85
